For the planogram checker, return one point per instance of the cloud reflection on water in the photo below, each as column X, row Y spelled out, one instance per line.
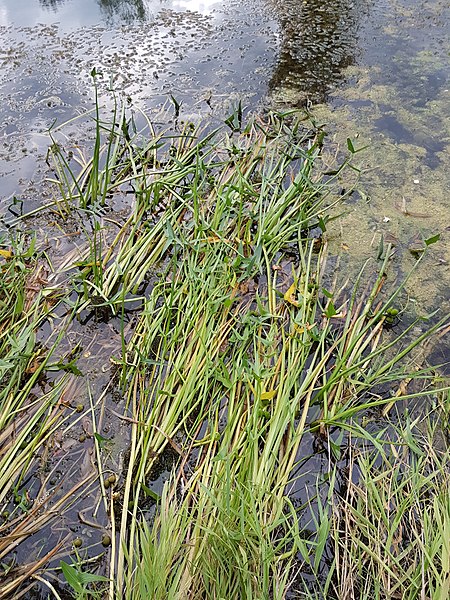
column 317, row 39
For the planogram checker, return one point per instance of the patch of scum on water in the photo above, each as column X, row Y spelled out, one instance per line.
column 397, row 102
column 407, row 181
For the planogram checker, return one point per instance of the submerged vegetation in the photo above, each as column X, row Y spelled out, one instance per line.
column 266, row 386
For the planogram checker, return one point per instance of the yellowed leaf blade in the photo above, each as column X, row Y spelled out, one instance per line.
column 268, row 395
column 289, row 296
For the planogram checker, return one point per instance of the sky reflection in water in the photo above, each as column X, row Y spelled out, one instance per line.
column 70, row 14
column 317, row 39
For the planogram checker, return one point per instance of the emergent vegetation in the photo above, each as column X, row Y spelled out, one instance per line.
column 242, row 360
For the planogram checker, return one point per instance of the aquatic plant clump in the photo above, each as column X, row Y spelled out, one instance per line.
column 236, row 360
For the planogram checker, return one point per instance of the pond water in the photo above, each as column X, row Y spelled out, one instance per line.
column 372, row 70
